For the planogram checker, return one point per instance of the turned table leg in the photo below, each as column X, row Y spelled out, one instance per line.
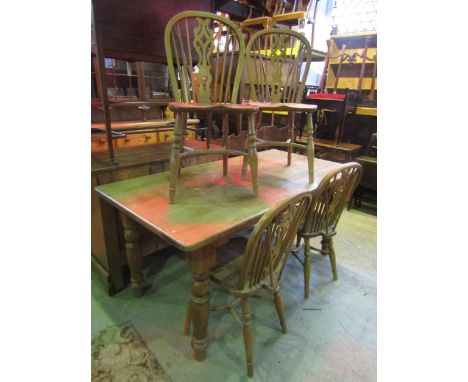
column 134, row 254
column 200, row 263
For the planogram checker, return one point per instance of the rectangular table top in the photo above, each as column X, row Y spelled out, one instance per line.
column 209, row 206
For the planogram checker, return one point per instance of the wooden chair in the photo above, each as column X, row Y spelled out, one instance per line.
column 278, row 62
column 261, row 266
column 328, row 202
column 341, row 104
column 215, row 45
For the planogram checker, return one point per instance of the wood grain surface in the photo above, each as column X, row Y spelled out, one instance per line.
column 210, row 206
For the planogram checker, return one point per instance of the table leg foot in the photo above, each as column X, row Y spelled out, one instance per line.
column 200, row 263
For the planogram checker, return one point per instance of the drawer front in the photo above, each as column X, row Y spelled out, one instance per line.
column 165, row 136
column 137, row 140
column 168, row 136
column 99, row 144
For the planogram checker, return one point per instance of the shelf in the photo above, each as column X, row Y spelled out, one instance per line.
column 354, row 40
column 350, row 83
column 363, row 110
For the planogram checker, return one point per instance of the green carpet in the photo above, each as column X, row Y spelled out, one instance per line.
column 120, row 355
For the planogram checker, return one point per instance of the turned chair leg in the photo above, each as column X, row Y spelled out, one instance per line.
column 332, row 256
column 253, row 157
column 310, row 147
column 225, row 129
column 291, row 134
column 247, row 335
column 280, row 310
column 188, row 318
column 306, row 267
column 182, row 139
column 175, row 156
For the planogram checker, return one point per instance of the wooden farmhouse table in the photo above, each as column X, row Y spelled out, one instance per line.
column 210, row 209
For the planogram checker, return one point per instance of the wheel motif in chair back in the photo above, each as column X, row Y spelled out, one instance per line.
column 274, row 61
column 212, row 43
column 269, row 245
column 330, row 198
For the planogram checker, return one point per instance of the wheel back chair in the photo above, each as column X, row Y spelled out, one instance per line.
column 278, row 62
column 261, row 266
column 334, row 102
column 213, row 44
column 328, row 202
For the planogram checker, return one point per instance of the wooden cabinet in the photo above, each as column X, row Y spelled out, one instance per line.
column 353, row 65
column 351, row 68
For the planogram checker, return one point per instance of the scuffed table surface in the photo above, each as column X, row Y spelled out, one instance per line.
column 208, row 205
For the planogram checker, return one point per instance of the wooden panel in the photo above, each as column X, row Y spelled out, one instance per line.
column 134, row 30
column 97, row 245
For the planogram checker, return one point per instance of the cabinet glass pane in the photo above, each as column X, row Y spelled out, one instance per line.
column 156, row 78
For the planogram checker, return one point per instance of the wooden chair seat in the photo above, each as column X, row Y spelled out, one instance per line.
column 214, row 107
column 284, row 106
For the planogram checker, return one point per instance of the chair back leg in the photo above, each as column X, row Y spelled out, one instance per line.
column 280, row 310
column 247, row 335
column 310, row 147
column 332, row 256
column 291, row 134
column 225, row 129
column 253, row 156
column 306, row 267
column 175, row 156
